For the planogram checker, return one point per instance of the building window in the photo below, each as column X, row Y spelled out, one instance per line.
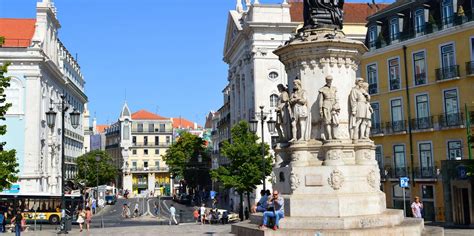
column 372, row 78
column 454, row 150
column 145, row 140
column 448, row 62
column 273, row 75
column 397, row 115
column 157, row 164
column 372, row 36
column 157, row 151
column 134, row 151
column 145, row 151
column 14, row 94
column 162, row 128
column 452, row 117
column 426, row 160
column 376, row 127
column 419, row 65
column 399, row 154
column 151, row 128
column 379, row 156
column 394, row 29
column 273, row 100
column 157, row 140
column 394, row 73
column 423, row 120
column 134, row 165
column 168, row 139
column 420, row 21
column 134, row 140
column 447, row 12
column 140, row 127
column 145, row 164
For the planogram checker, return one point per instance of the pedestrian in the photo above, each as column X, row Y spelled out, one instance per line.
column 17, row 221
column 261, row 205
column 231, row 205
column 203, row 213
column 88, row 218
column 135, row 211
column 417, row 208
column 156, row 208
column 2, row 222
column 94, row 205
column 173, row 214
column 275, row 210
column 196, row 215
column 81, row 218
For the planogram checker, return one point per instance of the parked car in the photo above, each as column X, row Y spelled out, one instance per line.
column 110, row 200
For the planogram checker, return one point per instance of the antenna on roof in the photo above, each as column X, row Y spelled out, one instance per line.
column 125, row 95
column 370, row 5
column 376, row 6
column 77, row 57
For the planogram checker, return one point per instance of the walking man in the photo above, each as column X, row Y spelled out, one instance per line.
column 173, row 214
column 17, row 221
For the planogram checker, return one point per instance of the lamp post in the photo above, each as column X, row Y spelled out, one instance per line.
column 97, row 159
column 271, row 129
column 51, row 120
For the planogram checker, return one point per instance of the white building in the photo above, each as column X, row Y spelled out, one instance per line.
column 42, row 71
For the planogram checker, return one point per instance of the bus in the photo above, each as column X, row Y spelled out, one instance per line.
column 40, row 207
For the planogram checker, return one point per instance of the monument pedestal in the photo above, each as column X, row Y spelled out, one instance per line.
column 329, row 186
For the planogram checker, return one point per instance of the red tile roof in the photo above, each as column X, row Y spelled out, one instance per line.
column 183, row 123
column 101, row 128
column 146, row 115
column 17, row 32
column 353, row 12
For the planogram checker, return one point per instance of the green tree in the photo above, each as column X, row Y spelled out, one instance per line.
column 183, row 160
column 8, row 164
column 2, row 40
column 87, row 166
column 245, row 170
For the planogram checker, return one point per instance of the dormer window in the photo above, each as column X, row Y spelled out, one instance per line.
column 372, row 36
column 394, row 29
column 447, row 12
column 420, row 21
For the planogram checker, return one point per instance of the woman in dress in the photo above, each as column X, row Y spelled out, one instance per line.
column 417, row 208
column 80, row 218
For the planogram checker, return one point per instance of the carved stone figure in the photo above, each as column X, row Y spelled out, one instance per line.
column 299, row 124
column 328, row 109
column 336, row 179
column 283, row 124
column 361, row 111
column 323, row 14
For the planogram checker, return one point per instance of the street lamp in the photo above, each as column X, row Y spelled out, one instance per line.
column 50, row 121
column 271, row 128
column 97, row 159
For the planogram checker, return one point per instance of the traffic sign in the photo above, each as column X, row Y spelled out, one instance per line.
column 404, row 182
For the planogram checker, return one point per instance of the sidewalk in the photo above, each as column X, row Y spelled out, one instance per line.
column 175, row 230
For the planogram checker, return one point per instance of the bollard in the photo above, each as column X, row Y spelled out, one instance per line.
column 180, row 216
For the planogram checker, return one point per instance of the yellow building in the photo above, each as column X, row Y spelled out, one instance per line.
column 420, row 70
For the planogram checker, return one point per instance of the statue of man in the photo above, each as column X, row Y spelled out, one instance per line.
column 283, row 111
column 360, row 110
column 328, row 109
column 367, row 120
column 323, row 13
column 300, row 113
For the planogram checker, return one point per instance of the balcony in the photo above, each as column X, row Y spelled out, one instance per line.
column 446, row 73
column 420, row 78
column 422, row 123
column 448, row 120
column 151, row 144
column 396, row 126
column 398, row 172
column 376, row 129
column 138, row 130
column 373, row 89
column 395, row 84
column 470, row 68
column 142, row 169
column 426, row 172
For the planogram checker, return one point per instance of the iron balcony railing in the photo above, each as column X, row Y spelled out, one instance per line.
column 426, row 172
column 138, row 130
column 422, row 123
column 451, row 119
column 398, row 172
column 396, row 126
column 373, row 89
column 470, row 68
column 151, row 144
column 149, row 169
column 376, row 129
column 420, row 78
column 448, row 72
column 395, row 84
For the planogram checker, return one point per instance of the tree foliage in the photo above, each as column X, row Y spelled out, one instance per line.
column 87, row 168
column 245, row 171
column 182, row 159
column 8, row 164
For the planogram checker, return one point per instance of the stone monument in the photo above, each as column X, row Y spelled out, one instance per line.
column 327, row 172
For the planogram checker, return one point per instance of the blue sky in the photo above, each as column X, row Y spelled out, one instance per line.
column 161, row 55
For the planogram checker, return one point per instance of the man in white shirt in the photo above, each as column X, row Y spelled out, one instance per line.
column 203, row 213
column 173, row 214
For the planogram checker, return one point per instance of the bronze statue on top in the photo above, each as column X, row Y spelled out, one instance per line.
column 323, row 14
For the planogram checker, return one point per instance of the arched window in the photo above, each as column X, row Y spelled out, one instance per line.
column 14, row 96
column 273, row 100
